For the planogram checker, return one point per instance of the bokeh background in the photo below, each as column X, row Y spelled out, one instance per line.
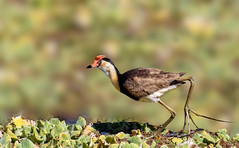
column 46, row 45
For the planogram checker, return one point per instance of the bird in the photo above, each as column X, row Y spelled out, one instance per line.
column 149, row 85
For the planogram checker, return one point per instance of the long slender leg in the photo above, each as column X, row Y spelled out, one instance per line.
column 173, row 114
column 185, row 120
column 192, row 119
column 186, row 106
column 188, row 118
column 187, row 109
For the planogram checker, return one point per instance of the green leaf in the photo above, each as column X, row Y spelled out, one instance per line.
column 64, row 136
column 124, row 144
column 73, row 142
column 120, row 135
column 81, row 121
column 114, row 145
column 207, row 138
column 75, row 130
column 55, row 132
column 40, row 124
column 27, row 144
column 222, row 131
column 19, row 132
column 63, row 125
column 65, row 139
column 110, row 139
column 27, row 129
column 135, row 139
column 84, row 145
column 147, row 129
column 133, row 145
column 5, row 140
column 153, row 145
column 236, row 138
column 222, row 134
column 71, row 127
column 35, row 137
column 198, row 138
column 55, row 121
column 102, row 138
column 84, row 139
column 75, row 133
column 12, row 135
column 78, row 127
column 216, row 138
column 145, row 145
column 48, row 127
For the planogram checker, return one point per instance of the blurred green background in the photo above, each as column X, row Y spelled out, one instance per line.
column 46, row 45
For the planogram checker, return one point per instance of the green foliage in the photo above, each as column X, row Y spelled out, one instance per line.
column 135, row 139
column 81, row 122
column 56, row 133
column 5, row 140
column 45, row 48
column 236, row 138
column 222, row 133
column 26, row 143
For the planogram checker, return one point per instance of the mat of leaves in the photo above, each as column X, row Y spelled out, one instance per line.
column 22, row 133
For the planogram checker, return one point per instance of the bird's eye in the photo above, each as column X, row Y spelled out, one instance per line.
column 99, row 63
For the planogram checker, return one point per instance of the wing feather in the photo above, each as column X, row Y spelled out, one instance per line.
column 141, row 82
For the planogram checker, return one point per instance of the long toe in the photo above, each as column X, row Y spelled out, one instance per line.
column 172, row 134
column 199, row 129
column 181, row 131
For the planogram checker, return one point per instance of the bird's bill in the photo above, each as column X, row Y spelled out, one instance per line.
column 95, row 64
column 89, row 66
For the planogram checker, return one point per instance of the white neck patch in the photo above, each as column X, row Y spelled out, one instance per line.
column 107, row 68
column 110, row 71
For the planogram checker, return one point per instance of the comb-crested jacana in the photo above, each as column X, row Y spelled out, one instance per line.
column 148, row 85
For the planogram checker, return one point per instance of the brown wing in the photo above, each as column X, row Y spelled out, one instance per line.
column 141, row 82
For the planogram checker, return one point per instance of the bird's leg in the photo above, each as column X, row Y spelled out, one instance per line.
column 185, row 119
column 173, row 114
column 188, row 119
column 192, row 119
column 186, row 106
column 188, row 110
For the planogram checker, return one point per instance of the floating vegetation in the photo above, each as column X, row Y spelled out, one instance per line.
column 21, row 133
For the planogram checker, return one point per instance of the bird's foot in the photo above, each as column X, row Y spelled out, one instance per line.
column 199, row 129
column 165, row 132
column 169, row 133
column 181, row 133
column 172, row 134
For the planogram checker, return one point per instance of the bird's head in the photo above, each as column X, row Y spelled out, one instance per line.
column 98, row 62
column 104, row 64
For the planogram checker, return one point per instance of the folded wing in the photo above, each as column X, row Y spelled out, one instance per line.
column 141, row 82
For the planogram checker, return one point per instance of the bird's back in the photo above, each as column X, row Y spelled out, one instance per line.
column 141, row 82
